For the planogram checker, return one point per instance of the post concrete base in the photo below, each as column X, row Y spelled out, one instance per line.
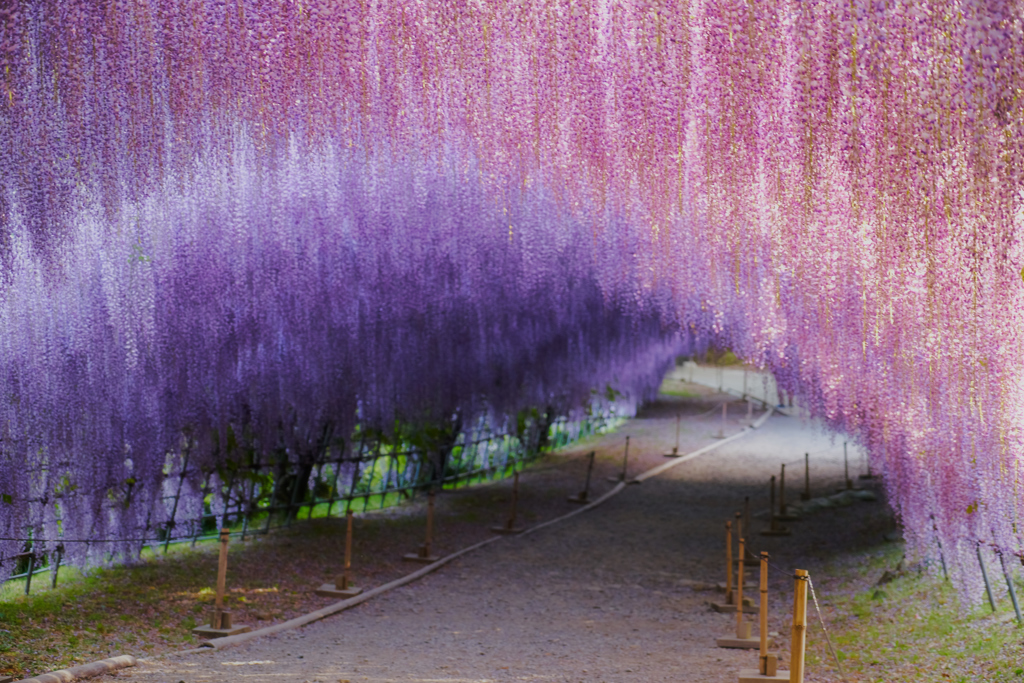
column 579, row 498
column 329, row 590
column 753, row 676
column 781, row 531
column 788, row 517
column 741, row 643
column 725, row 608
column 747, row 588
column 422, row 559
column 506, row 531
column 614, row 480
column 205, row 631
column 674, row 454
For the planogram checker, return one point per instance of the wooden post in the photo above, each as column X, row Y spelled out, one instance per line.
column 796, row 651
column 750, row 411
column 721, row 431
column 584, row 495
column 425, row 554
column 625, row 462
column 425, row 551
column 218, row 620
column 729, row 597
column 515, row 500
column 510, row 525
column 807, row 477
column 346, row 575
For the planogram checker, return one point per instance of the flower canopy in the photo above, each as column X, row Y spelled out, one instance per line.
column 280, row 214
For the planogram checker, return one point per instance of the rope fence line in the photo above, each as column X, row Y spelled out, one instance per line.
column 263, row 494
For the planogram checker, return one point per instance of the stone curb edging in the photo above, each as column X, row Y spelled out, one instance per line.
column 75, row 673
column 230, row 641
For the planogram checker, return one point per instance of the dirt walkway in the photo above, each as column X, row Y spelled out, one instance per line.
column 617, row 594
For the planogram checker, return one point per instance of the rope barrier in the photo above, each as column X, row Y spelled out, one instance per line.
column 821, row 620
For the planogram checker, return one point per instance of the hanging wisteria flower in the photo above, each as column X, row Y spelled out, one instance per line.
column 278, row 216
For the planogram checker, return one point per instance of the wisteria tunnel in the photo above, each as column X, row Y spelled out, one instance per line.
column 264, row 259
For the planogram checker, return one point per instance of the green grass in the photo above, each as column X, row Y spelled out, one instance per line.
column 683, row 393
column 914, row 629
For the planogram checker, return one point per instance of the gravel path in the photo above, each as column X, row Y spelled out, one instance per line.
column 617, row 594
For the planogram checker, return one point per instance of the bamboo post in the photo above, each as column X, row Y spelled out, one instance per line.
column 782, row 491
column 729, row 597
column 58, row 555
column 625, row 460
column 774, row 529
column 1009, row 586
column 31, row 570
column 733, row 590
column 219, row 619
column 625, row 463
column 799, row 642
column 584, row 495
column 750, row 411
column 746, row 513
column 742, row 628
column 846, row 468
column 984, row 575
column 938, row 542
column 806, row 495
column 742, row 527
column 768, row 662
column 425, row 554
column 675, row 449
column 342, row 586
